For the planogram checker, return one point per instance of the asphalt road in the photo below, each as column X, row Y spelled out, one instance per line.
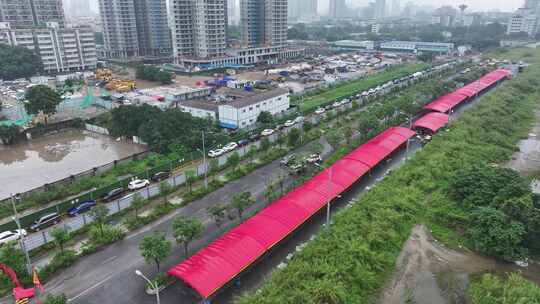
column 108, row 276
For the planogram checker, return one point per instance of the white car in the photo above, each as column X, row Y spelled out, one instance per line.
column 13, row 235
column 371, row 91
column 289, row 123
column 215, row 153
column 313, row 158
column 230, row 146
column 137, row 184
column 299, row 119
column 336, row 104
column 320, row 111
column 365, row 94
column 267, row 132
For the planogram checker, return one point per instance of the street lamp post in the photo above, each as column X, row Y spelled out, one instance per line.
column 330, row 191
column 155, row 286
column 22, row 243
column 409, row 119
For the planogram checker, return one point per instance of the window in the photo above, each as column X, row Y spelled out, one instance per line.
column 244, row 111
column 251, row 108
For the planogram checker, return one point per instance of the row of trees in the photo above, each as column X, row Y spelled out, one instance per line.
column 155, row 247
column 18, row 62
column 166, row 131
column 152, row 73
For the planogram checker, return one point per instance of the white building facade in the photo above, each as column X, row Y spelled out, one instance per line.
column 60, row 49
column 244, row 112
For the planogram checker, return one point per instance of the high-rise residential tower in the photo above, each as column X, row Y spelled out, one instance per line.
column 337, row 9
column 199, row 28
column 119, row 28
column 263, row 22
column 134, row 28
column 380, row 9
column 152, row 28
column 31, row 13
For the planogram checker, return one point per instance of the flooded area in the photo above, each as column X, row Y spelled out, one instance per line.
column 31, row 164
column 527, row 159
column 429, row 273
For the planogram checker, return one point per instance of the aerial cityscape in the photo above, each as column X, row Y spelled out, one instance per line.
column 269, row 151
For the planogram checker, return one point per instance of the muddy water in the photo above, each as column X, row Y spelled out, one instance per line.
column 527, row 159
column 31, row 164
column 429, row 273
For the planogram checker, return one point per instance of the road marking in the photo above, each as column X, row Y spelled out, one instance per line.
column 90, row 289
column 108, row 260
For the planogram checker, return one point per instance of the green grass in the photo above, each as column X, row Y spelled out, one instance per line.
column 340, row 91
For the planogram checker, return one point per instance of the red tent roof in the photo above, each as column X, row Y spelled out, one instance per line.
column 449, row 101
column 431, row 121
column 222, row 260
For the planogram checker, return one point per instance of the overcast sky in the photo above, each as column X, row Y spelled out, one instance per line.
column 474, row 5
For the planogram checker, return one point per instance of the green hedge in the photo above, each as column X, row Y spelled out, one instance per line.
column 350, row 262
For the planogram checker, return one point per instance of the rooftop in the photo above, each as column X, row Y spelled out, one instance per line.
column 258, row 97
column 203, row 105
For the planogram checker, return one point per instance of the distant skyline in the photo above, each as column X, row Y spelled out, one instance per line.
column 474, row 5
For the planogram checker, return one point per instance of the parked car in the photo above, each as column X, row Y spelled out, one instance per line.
column 159, row 176
column 11, row 235
column 267, row 132
column 299, row 119
column 114, row 193
column 46, row 221
column 137, row 184
column 314, row 158
column 81, row 208
column 289, row 123
column 287, row 159
column 280, row 127
column 254, row 137
column 215, row 153
column 296, row 168
column 243, row 142
column 230, row 146
column 320, row 111
column 336, row 104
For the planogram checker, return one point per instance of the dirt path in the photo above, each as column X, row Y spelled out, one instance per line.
column 429, row 273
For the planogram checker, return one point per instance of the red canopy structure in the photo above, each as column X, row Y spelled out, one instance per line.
column 221, row 261
column 449, row 101
column 431, row 121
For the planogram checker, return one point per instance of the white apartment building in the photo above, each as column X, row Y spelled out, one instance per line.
column 60, row 49
column 244, row 112
column 524, row 20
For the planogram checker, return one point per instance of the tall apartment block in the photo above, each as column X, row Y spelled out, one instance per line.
column 199, row 28
column 60, row 49
column 134, row 28
column 263, row 22
column 152, row 27
column 26, row 13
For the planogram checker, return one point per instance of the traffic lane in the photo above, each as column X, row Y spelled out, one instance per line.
column 100, row 277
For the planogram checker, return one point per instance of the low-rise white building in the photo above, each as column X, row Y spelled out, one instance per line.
column 417, row 46
column 201, row 109
column 243, row 112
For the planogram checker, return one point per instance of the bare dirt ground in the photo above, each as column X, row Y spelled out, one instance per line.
column 429, row 273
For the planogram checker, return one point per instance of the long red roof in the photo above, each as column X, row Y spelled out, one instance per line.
column 432, row 121
column 449, row 101
column 222, row 260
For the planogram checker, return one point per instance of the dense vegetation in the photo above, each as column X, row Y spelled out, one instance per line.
column 349, row 262
column 491, row 289
column 164, row 131
column 18, row 62
column 152, row 73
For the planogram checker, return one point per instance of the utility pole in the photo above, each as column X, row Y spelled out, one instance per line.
column 22, row 243
column 204, row 163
